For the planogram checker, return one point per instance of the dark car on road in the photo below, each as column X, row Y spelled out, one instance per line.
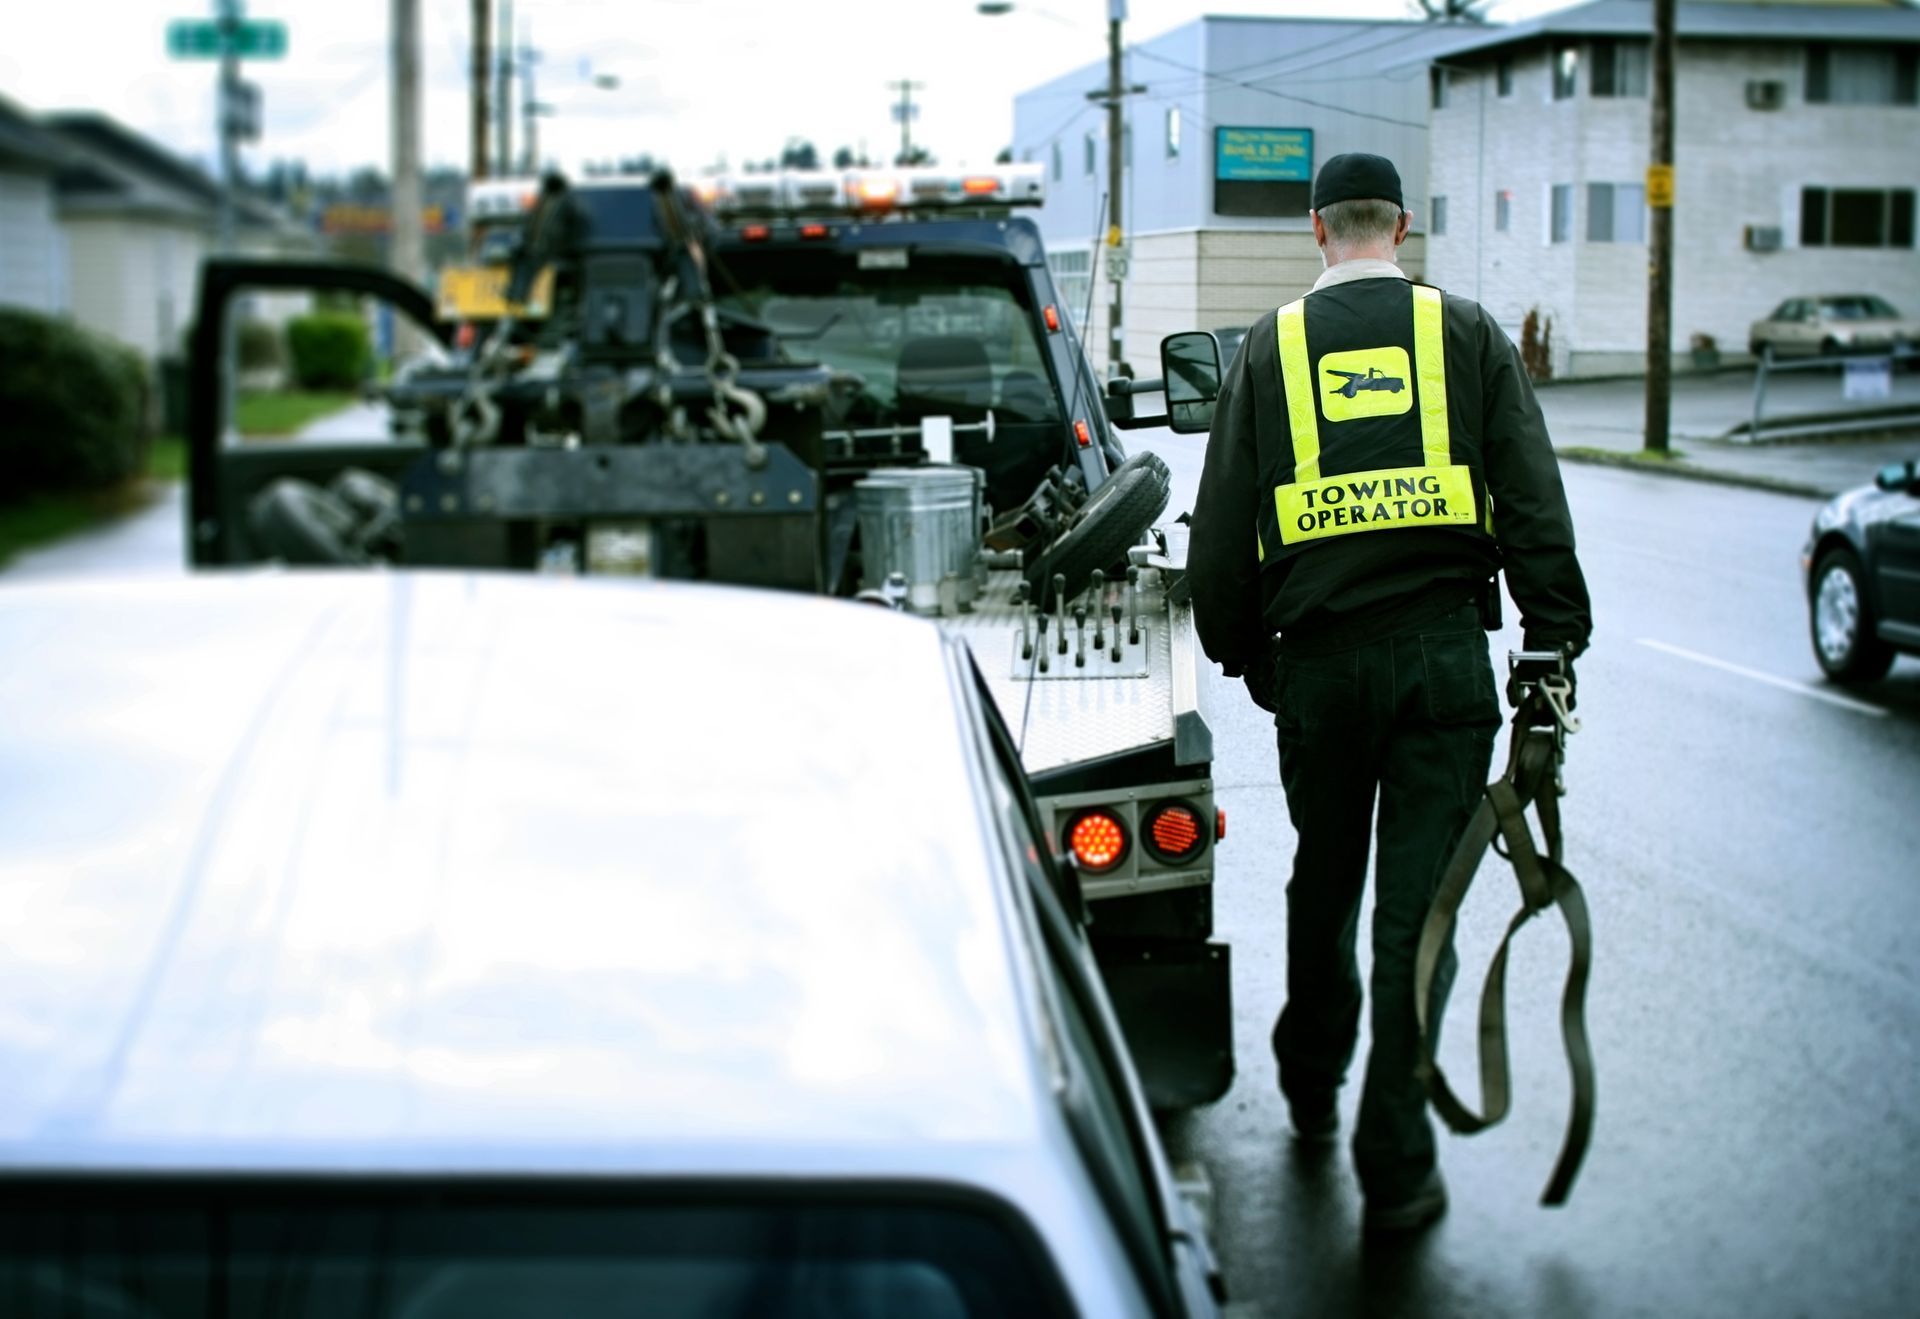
column 1862, row 561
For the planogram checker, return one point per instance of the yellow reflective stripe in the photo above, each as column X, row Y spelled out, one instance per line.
column 1430, row 369
column 1260, row 543
column 1297, row 376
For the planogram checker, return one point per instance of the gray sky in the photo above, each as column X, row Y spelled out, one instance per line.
column 698, row 78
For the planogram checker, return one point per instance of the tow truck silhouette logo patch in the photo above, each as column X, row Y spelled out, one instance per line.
column 1366, row 382
column 1371, row 380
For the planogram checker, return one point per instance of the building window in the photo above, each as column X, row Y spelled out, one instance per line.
column 1503, row 78
column 1090, row 155
column 1072, row 280
column 1861, row 75
column 1856, row 217
column 1056, row 162
column 1437, row 83
column 1566, row 72
column 1620, row 68
column 1502, row 211
column 1560, row 213
column 1439, row 225
column 1173, row 131
column 1616, row 213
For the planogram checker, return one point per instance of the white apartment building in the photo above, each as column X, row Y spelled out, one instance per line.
column 1797, row 157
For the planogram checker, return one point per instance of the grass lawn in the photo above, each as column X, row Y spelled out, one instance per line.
column 1623, row 457
column 42, row 519
column 285, row 412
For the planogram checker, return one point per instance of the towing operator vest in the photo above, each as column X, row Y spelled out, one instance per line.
column 1363, row 368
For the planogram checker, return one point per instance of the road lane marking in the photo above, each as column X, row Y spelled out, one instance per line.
column 1784, row 684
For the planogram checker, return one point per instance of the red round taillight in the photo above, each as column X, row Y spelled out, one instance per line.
column 1098, row 841
column 1173, row 832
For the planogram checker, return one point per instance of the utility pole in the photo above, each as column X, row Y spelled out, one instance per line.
column 1660, row 255
column 1114, row 97
column 405, row 252
column 530, row 108
column 231, row 12
column 503, row 102
column 480, row 75
column 904, row 112
column 1116, row 182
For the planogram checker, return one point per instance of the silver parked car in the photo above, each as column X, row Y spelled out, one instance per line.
column 443, row 945
column 1832, row 324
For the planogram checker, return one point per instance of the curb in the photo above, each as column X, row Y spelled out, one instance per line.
column 1682, row 469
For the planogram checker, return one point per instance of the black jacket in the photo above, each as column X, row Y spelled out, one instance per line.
column 1239, row 603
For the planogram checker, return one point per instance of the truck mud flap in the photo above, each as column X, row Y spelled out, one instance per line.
column 1174, row 999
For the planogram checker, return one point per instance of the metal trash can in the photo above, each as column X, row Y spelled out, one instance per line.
column 924, row 523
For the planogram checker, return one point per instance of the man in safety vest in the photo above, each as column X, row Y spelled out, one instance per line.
column 1376, row 457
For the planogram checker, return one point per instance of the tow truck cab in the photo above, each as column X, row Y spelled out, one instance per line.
column 895, row 325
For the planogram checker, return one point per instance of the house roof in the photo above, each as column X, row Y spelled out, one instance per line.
column 25, row 143
column 1700, row 22
column 111, row 169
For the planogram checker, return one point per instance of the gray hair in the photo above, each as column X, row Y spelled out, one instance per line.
column 1360, row 223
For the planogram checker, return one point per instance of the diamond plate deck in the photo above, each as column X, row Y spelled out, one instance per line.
column 1071, row 713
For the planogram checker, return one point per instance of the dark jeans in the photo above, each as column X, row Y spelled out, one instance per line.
column 1412, row 717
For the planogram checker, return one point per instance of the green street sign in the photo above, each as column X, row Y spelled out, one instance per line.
column 208, row 39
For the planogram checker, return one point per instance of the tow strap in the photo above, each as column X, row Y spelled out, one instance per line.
column 1532, row 778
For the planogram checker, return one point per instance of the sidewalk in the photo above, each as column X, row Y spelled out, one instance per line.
column 148, row 543
column 1601, row 421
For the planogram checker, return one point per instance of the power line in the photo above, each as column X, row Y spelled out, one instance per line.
column 1287, row 96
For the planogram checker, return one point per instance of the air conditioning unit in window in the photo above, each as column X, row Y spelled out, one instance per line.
column 1762, row 238
column 1765, row 94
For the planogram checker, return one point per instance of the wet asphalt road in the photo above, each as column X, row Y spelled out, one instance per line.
column 1751, row 854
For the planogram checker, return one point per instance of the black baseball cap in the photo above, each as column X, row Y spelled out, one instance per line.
column 1357, row 176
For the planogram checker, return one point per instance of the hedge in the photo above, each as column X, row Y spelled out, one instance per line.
column 75, row 403
column 330, row 350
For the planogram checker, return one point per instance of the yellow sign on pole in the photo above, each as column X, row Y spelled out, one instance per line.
column 1660, row 186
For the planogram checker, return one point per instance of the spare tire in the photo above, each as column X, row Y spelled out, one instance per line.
column 1145, row 460
column 299, row 523
column 1112, row 520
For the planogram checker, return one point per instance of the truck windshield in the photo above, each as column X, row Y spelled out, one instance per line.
column 501, row 1256
column 940, row 338
column 920, row 348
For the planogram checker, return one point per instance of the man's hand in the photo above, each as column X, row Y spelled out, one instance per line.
column 1263, row 684
column 1514, row 685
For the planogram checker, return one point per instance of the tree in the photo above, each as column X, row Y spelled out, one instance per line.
column 799, row 154
column 1005, row 157
column 845, row 159
column 919, row 155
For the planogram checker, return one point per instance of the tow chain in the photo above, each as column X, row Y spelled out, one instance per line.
column 1532, row 778
column 736, row 413
column 476, row 417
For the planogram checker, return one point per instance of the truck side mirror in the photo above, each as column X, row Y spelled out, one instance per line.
column 1190, row 364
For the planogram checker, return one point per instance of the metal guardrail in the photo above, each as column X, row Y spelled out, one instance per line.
column 1767, row 364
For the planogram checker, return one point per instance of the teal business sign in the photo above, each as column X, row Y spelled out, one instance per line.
column 1263, row 155
column 210, row 39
